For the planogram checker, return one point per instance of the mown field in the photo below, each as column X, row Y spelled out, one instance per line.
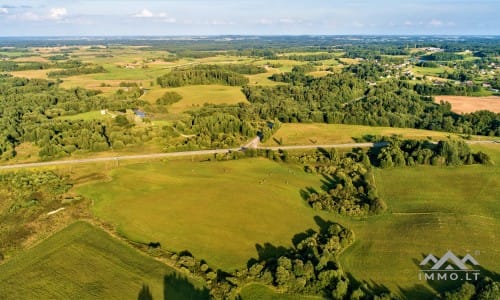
column 219, row 211
column 83, row 262
column 432, row 210
column 260, row 292
column 318, row 133
column 194, row 96
column 464, row 104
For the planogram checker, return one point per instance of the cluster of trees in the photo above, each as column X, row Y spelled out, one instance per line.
column 413, row 152
column 367, row 71
column 10, row 66
column 343, row 98
column 484, row 289
column 169, row 98
column 203, row 74
column 308, row 57
column 85, row 69
column 349, row 187
column 443, row 56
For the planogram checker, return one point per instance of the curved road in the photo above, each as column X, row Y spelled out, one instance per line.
column 253, row 145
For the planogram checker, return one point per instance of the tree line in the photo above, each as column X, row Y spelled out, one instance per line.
column 203, row 74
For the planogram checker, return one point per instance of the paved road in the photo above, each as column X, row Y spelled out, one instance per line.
column 195, row 153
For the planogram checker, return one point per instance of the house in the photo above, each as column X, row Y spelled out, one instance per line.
column 139, row 114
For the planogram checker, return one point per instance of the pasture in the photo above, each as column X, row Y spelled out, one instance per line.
column 259, row 292
column 219, row 211
column 319, row 133
column 83, row 262
column 464, row 104
column 431, row 210
column 196, row 95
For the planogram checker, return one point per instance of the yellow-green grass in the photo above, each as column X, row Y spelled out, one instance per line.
column 430, row 71
column 39, row 74
column 431, row 210
column 263, row 78
column 91, row 115
column 196, row 95
column 84, row 262
column 261, row 292
column 219, row 211
column 319, row 73
column 318, row 133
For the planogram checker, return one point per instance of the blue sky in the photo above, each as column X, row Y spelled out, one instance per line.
column 212, row 17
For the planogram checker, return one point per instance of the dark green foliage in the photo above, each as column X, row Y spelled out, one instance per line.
column 169, row 98
column 443, row 56
column 413, row 152
column 86, row 69
column 349, row 188
column 203, row 74
column 9, row 66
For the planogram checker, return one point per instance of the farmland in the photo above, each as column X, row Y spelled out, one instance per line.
column 255, row 223
column 464, row 104
column 153, row 207
column 84, row 262
column 321, row 134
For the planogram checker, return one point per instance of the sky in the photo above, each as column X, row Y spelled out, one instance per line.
column 248, row 17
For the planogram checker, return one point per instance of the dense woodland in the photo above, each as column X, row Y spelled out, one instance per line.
column 205, row 74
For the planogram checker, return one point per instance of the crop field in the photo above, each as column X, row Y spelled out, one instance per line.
column 464, row 104
column 91, row 115
column 218, row 211
column 432, row 210
column 317, row 133
column 83, row 262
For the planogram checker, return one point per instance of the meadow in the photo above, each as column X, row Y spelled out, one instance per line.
column 84, row 262
column 196, row 95
column 219, row 211
column 431, row 210
column 317, row 133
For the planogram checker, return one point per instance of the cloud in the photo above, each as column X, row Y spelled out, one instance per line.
column 57, row 13
column 3, row 10
column 408, row 23
column 435, row 22
column 145, row 13
column 290, row 21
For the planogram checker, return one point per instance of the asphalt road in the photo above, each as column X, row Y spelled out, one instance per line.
column 193, row 153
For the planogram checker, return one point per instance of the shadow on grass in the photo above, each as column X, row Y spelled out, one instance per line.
column 176, row 287
column 145, row 293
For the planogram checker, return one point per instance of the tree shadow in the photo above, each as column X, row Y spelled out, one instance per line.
column 176, row 287
column 305, row 193
column 145, row 293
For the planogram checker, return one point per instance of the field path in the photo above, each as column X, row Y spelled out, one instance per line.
column 195, row 153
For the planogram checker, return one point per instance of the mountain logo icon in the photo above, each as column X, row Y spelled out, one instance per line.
column 449, row 261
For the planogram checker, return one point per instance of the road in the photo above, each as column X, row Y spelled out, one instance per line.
column 195, row 153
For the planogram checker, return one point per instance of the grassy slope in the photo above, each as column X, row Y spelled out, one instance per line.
column 433, row 210
column 217, row 211
column 306, row 134
column 260, row 292
column 83, row 262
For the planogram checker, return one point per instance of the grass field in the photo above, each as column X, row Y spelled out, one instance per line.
column 318, row 133
column 197, row 95
column 429, row 71
column 217, row 211
column 83, row 262
column 91, row 115
column 432, row 210
column 260, row 292
column 464, row 104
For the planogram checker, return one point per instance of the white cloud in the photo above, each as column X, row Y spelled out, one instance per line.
column 4, row 10
column 290, row 21
column 57, row 13
column 435, row 22
column 265, row 22
column 169, row 20
column 145, row 13
column 408, row 23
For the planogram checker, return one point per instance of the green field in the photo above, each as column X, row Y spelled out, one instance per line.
column 91, row 115
column 83, row 262
column 432, row 210
column 219, row 211
column 260, row 292
column 197, row 95
column 318, row 133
